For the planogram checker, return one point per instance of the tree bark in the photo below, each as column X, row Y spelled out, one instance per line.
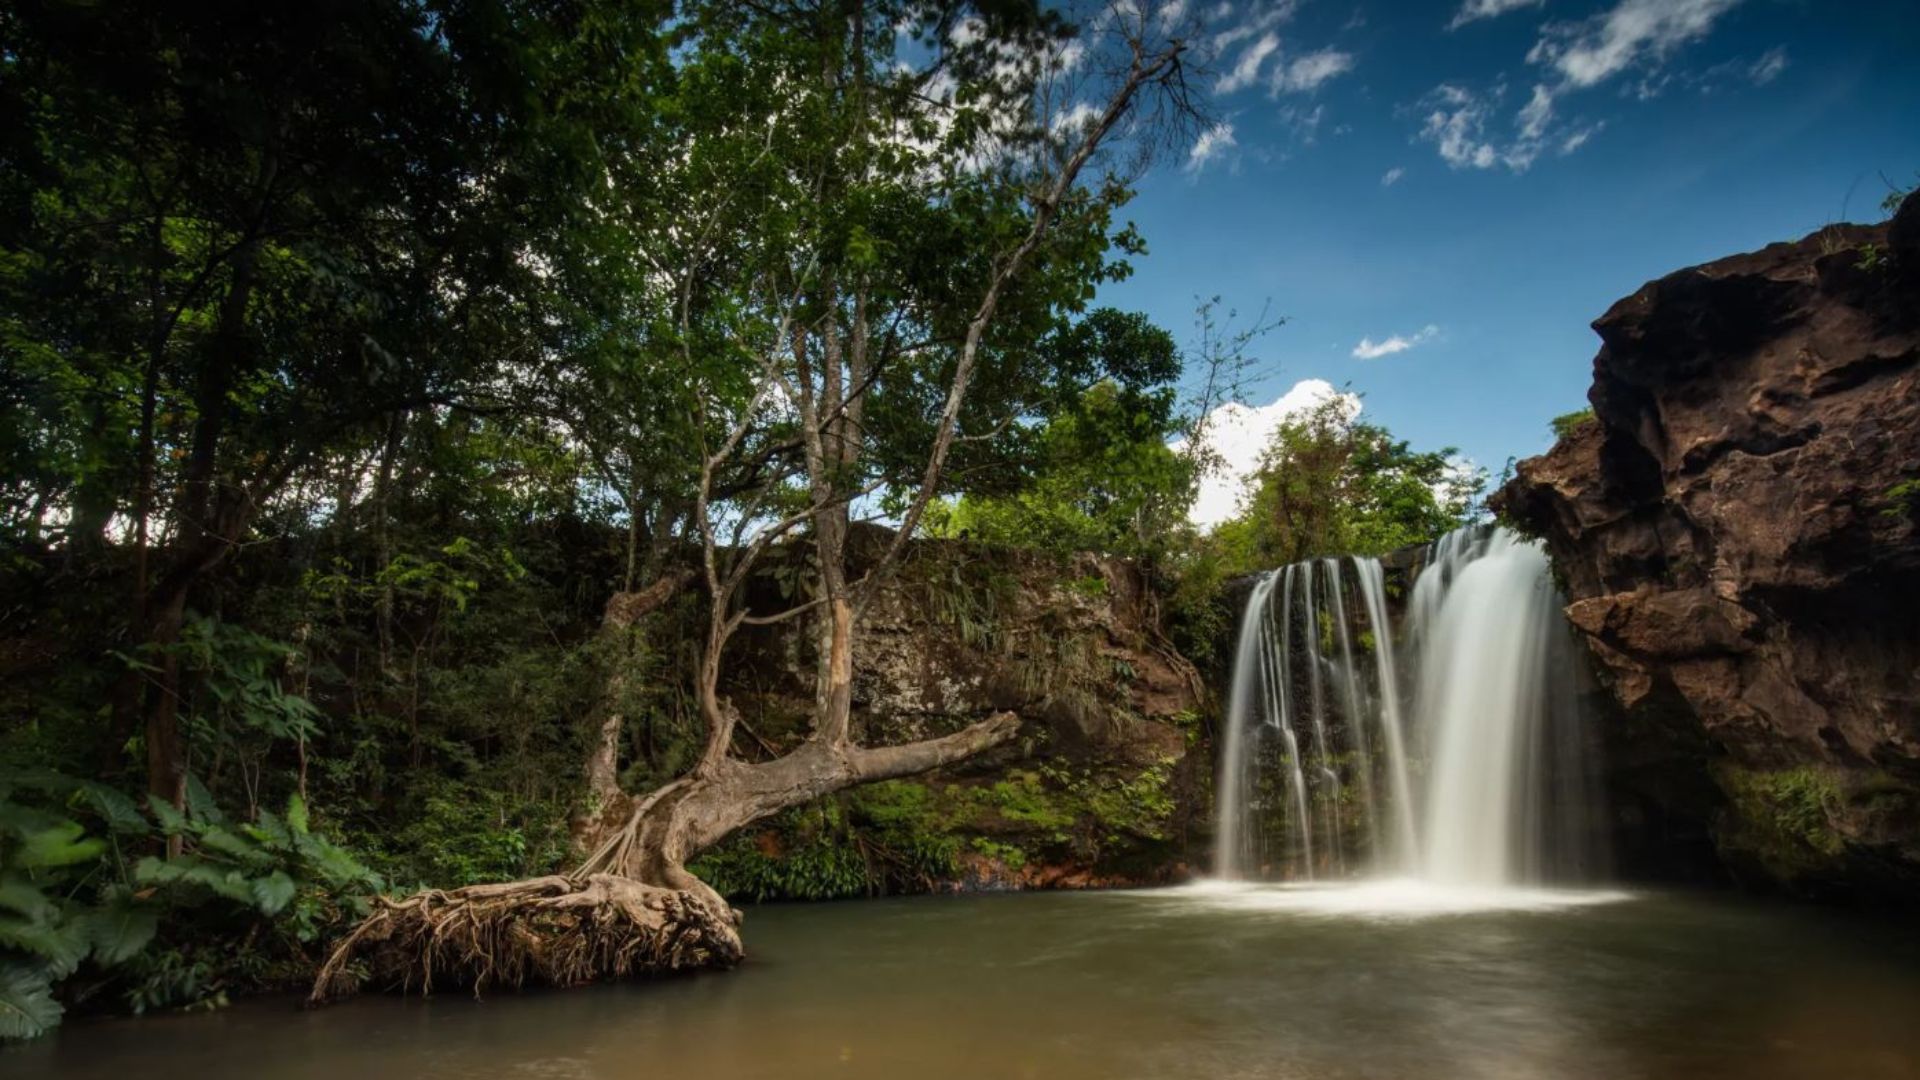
column 667, row 829
column 624, row 611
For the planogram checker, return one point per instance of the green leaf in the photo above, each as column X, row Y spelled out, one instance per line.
column 119, row 930
column 273, row 893
column 270, row 831
column 27, row 1008
column 172, row 822
column 297, row 814
column 234, row 847
column 18, row 894
column 63, row 844
column 188, row 870
column 122, row 814
column 62, row 946
column 200, row 803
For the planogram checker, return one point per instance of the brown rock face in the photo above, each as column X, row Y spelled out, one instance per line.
column 1739, row 531
column 1108, row 780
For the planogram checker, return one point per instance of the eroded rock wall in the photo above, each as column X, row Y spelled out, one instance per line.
column 1106, row 785
column 1739, row 531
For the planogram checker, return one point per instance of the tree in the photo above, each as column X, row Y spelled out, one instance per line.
column 1332, row 484
column 862, row 255
column 1097, row 473
column 241, row 241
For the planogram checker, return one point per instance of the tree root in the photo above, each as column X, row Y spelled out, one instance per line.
column 553, row 930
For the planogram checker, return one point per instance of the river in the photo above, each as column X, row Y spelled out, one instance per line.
column 1384, row 981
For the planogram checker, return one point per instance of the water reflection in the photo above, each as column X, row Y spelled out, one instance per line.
column 1180, row 983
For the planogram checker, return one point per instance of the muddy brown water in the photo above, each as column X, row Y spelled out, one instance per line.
column 1174, row 983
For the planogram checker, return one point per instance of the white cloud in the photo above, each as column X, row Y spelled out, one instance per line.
column 1455, row 124
column 1457, row 120
column 1631, row 36
column 1247, row 69
column 1266, row 17
column 1240, row 434
column 1072, row 121
column 1306, row 73
column 1303, row 124
column 966, row 32
column 1393, row 176
column 1212, row 142
column 1768, row 67
column 1475, row 10
column 1368, row 349
column 1591, row 51
column 1577, row 139
column 1537, row 113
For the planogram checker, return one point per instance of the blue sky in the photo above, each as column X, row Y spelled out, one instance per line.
column 1483, row 188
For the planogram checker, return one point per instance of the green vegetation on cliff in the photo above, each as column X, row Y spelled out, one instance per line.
column 1333, row 484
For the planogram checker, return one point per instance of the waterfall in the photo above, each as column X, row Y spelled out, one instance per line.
column 1475, row 770
column 1231, row 848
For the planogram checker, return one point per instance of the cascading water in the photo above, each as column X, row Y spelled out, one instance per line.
column 1476, row 774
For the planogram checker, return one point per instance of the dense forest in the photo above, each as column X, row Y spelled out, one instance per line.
column 405, row 404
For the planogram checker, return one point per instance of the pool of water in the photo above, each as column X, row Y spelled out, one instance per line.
column 1386, row 980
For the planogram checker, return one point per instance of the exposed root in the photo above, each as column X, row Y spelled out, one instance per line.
column 553, row 930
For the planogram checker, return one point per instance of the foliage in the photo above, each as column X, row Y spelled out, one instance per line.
column 1566, row 423
column 1332, row 484
column 1785, row 818
column 78, row 918
column 909, row 835
column 1902, row 498
column 350, row 357
column 1099, row 474
column 1897, row 194
column 457, row 833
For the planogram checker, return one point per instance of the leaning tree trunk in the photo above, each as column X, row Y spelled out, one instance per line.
column 605, row 807
column 632, row 907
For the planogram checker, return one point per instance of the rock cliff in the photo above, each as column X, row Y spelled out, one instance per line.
column 1738, row 529
column 1104, row 786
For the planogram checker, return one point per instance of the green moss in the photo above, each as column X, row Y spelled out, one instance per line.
column 1782, row 818
column 1010, row 855
column 1023, row 798
column 1093, row 585
column 908, row 835
column 1138, row 807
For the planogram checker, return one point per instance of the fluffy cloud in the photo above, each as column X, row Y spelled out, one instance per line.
column 1537, row 113
column 1475, row 10
column 1246, row 70
column 1369, row 349
column 1456, row 120
column 1212, row 142
column 1632, row 36
column 1239, row 434
column 1590, row 51
column 1393, row 176
column 1305, row 74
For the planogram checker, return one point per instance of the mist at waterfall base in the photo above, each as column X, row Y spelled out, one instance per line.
column 1443, row 768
